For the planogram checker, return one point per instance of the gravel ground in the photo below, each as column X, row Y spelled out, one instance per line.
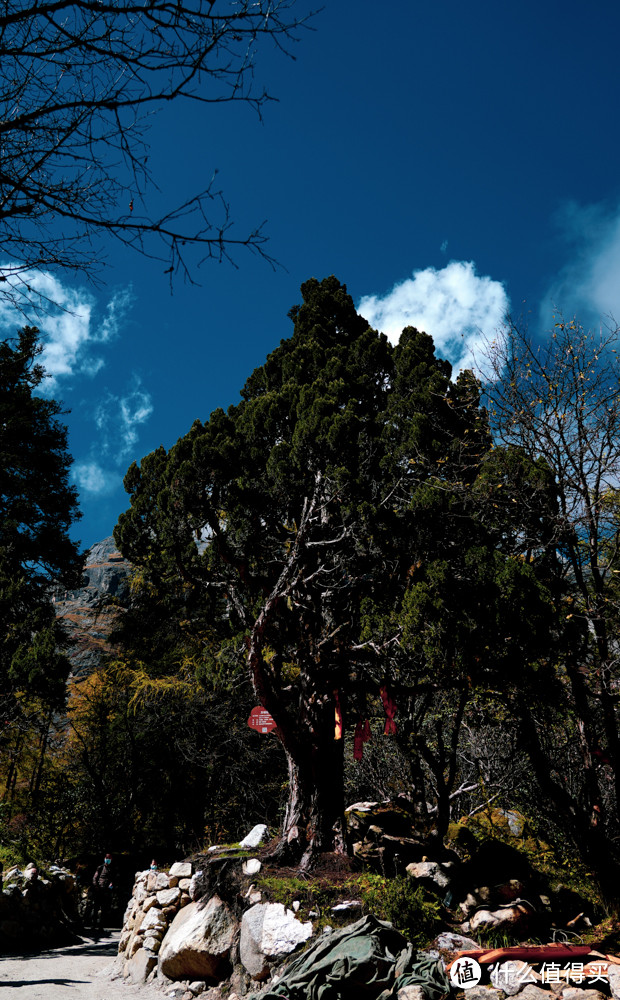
column 80, row 972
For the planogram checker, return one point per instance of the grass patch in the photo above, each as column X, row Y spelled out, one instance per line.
column 398, row 900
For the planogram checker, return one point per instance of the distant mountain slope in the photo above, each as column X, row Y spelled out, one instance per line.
column 89, row 624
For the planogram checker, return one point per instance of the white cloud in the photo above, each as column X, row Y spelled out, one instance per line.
column 457, row 307
column 92, row 478
column 589, row 285
column 66, row 318
column 119, row 417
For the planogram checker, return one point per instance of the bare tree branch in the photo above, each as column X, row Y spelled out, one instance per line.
column 79, row 82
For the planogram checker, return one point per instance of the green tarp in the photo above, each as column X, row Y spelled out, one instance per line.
column 368, row 959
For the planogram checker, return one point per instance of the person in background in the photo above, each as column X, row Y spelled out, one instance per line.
column 101, row 893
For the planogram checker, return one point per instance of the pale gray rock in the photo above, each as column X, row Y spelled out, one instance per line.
column 139, row 966
column 181, row 869
column 156, row 881
column 515, row 917
column 454, row 942
column 255, row 837
column 533, row 992
column 488, row 993
column 195, row 886
column 252, row 866
column 154, row 922
column 347, row 906
column 511, row 977
column 168, row 897
column 573, row 993
column 134, row 945
column 411, row 993
column 430, row 871
column 151, row 943
column 198, row 941
column 269, row 931
column 151, row 901
column 613, row 975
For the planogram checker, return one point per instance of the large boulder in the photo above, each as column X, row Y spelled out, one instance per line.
column 268, row 932
column 198, row 942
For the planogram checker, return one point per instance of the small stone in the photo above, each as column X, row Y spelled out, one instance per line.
column 533, row 992
column 347, row 906
column 184, row 884
column 448, row 941
column 166, row 897
column 510, row 977
column 430, row 871
column 134, row 945
column 487, row 993
column 411, row 993
column 122, row 944
column 295, row 905
column 154, row 921
column 573, row 993
column 252, row 866
column 197, row 987
column 157, row 881
column 149, row 902
column 151, row 943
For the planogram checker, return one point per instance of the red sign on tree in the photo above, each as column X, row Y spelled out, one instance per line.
column 261, row 720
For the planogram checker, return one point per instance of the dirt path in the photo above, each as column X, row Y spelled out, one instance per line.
column 74, row 973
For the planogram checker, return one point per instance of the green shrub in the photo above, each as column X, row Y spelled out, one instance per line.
column 403, row 903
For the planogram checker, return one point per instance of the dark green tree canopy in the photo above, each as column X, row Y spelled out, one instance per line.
column 296, row 521
column 37, row 508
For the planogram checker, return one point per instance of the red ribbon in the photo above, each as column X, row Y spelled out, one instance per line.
column 389, row 707
column 362, row 735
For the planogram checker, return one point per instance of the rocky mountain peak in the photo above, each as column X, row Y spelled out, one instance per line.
column 86, row 615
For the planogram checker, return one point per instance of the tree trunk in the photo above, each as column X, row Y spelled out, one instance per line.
column 314, row 817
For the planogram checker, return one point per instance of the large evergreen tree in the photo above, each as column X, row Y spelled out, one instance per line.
column 37, row 508
column 298, row 520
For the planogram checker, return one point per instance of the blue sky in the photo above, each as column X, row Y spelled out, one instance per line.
column 447, row 161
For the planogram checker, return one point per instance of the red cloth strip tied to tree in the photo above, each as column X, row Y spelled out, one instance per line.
column 389, row 707
column 362, row 735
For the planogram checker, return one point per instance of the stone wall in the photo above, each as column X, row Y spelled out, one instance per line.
column 38, row 912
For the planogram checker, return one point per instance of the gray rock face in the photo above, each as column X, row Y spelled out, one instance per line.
column 106, row 574
column 269, row 931
column 106, row 570
column 198, row 942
